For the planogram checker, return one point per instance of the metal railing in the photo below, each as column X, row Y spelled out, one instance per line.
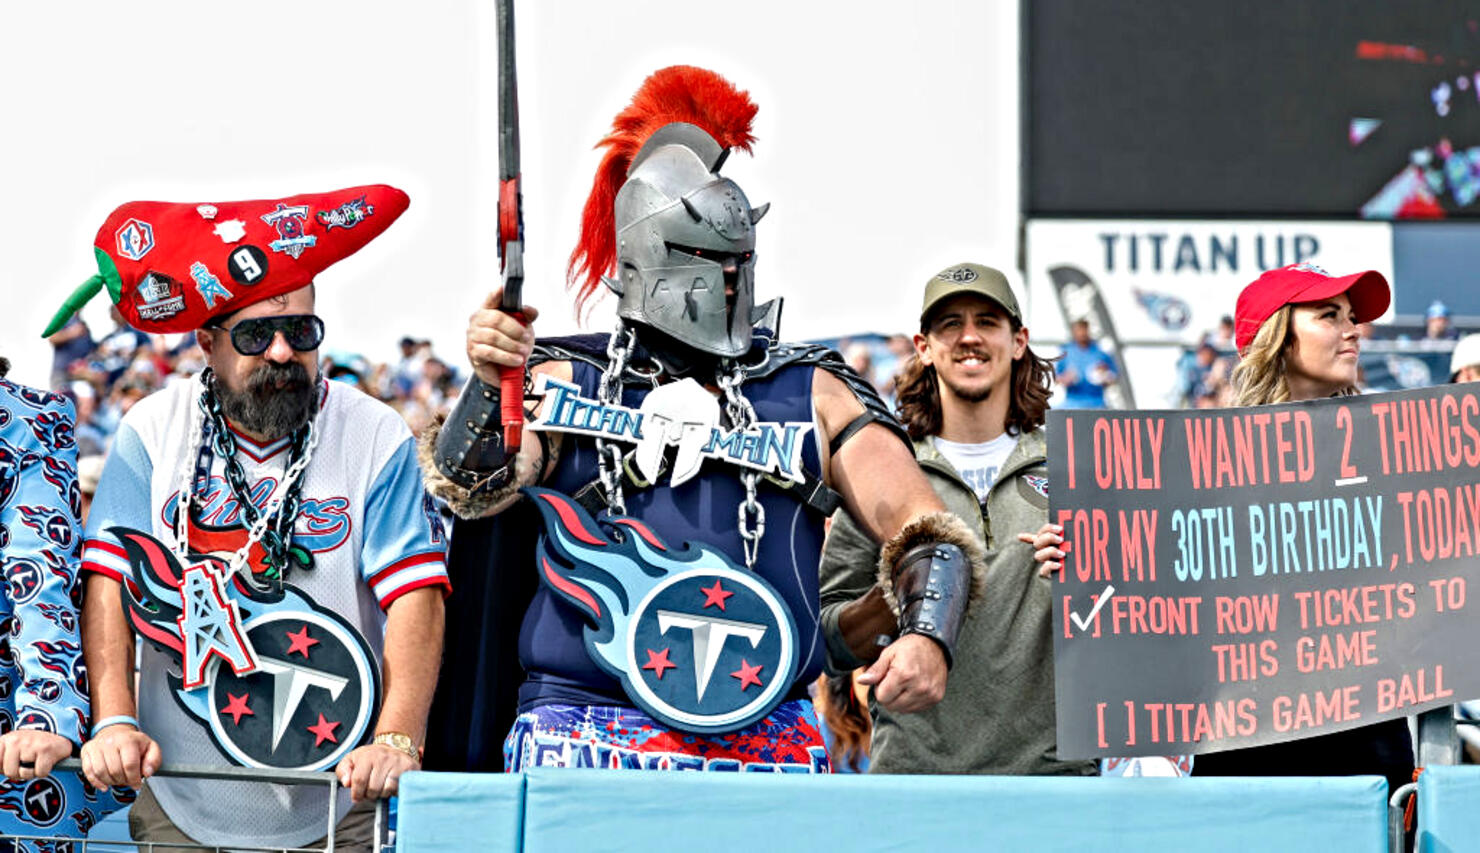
column 379, row 840
column 1438, row 743
column 1397, row 809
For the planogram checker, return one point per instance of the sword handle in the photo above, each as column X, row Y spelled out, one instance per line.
column 511, row 400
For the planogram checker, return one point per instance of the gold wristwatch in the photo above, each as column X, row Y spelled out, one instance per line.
column 399, row 742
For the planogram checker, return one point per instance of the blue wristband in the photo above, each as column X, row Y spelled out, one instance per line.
column 113, row 721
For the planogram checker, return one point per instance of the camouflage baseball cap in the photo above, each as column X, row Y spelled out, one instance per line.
column 969, row 278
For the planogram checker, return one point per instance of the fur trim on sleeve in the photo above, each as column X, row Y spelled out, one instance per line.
column 933, row 527
column 462, row 502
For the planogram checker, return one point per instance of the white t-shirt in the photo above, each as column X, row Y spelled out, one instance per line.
column 978, row 463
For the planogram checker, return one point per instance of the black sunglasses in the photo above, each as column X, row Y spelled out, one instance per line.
column 303, row 332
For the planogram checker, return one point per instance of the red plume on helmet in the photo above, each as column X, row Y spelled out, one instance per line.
column 679, row 93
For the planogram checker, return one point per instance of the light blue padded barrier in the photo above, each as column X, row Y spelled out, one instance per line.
column 459, row 811
column 597, row 810
column 1449, row 809
column 114, row 827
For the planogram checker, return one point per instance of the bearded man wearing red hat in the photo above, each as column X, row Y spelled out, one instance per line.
column 679, row 471
column 265, row 533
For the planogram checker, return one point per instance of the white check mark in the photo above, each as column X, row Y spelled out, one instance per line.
column 1099, row 602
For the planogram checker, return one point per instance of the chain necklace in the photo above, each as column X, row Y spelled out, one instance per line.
column 751, row 515
column 608, row 454
column 273, row 527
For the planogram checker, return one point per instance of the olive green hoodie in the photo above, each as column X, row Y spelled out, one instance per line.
column 998, row 712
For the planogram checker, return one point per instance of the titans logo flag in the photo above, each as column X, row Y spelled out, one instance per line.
column 697, row 641
column 278, row 681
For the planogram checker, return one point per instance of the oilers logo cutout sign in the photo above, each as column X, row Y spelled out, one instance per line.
column 278, row 681
column 698, row 642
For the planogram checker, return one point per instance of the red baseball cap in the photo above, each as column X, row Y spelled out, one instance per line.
column 170, row 267
column 1306, row 282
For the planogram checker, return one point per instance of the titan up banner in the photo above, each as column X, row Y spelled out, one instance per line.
column 1245, row 576
column 1150, row 287
column 1169, row 281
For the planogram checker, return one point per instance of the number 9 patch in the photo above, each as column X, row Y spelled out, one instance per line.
column 247, row 264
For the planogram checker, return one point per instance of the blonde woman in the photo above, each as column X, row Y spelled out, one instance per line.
column 1296, row 332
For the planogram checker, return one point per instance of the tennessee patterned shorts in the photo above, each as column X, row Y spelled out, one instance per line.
column 786, row 741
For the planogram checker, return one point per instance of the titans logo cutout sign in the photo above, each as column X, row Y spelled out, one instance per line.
column 697, row 641
column 278, row 681
column 679, row 419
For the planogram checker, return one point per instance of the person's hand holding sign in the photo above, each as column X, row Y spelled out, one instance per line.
column 1049, row 548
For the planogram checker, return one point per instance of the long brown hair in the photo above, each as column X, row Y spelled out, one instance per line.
column 917, row 394
column 847, row 720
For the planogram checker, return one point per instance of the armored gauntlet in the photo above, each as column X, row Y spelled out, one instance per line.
column 463, row 459
column 930, row 572
column 932, row 583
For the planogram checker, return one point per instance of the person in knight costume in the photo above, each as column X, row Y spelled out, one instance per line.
column 680, row 470
column 265, row 533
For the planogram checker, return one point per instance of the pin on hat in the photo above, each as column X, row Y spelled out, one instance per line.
column 171, row 267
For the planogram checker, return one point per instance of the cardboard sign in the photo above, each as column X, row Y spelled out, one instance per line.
column 1245, row 576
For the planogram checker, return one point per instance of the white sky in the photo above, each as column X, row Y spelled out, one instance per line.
column 887, row 143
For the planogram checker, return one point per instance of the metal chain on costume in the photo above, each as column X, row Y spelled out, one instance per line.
column 273, row 527
column 751, row 515
column 609, row 455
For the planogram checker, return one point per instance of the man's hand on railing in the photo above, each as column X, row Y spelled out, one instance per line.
column 120, row 755
column 29, row 754
column 373, row 771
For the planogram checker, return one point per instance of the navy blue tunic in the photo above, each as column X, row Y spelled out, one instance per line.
column 703, row 509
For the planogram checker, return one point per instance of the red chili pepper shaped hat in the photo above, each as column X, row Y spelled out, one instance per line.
column 171, row 267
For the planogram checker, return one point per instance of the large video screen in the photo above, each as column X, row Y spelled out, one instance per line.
column 1310, row 108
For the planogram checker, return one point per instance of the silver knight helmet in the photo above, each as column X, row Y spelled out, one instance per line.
column 683, row 257
column 686, row 244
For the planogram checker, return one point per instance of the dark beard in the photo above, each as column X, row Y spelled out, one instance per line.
column 264, row 409
column 677, row 359
column 967, row 395
column 972, row 395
